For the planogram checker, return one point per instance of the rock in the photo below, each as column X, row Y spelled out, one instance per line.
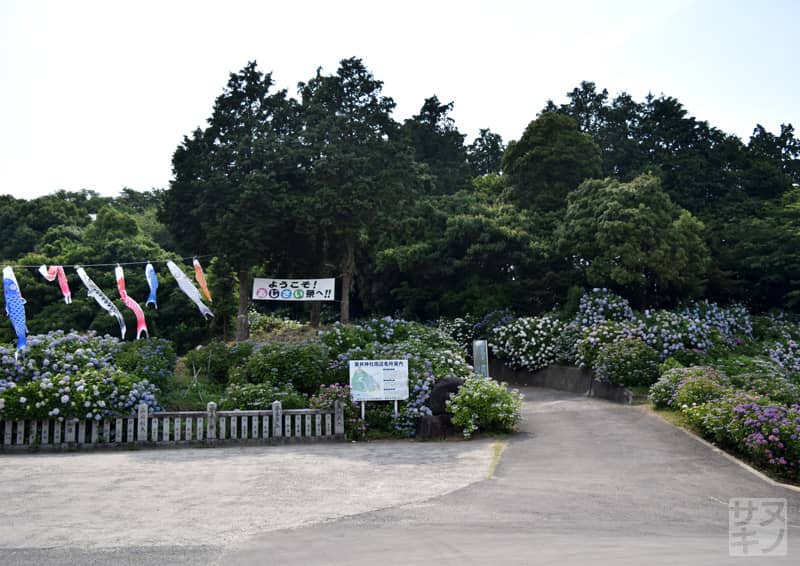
column 436, row 426
column 441, row 393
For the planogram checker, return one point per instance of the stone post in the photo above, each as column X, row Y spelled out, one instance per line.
column 142, row 423
column 277, row 420
column 338, row 419
column 211, row 430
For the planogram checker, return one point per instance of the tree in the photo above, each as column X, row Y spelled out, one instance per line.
column 485, row 153
column 614, row 127
column 438, row 143
column 551, row 159
column 782, row 150
column 632, row 237
column 755, row 251
column 361, row 173
column 231, row 194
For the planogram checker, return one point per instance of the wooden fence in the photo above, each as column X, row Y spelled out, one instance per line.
column 210, row 427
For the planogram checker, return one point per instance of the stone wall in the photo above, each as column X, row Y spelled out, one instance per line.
column 563, row 378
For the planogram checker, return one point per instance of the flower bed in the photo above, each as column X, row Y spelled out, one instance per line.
column 81, row 375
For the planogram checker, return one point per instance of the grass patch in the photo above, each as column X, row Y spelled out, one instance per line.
column 676, row 418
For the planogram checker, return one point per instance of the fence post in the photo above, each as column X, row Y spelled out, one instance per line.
column 338, row 418
column 277, row 419
column 142, row 424
column 69, row 431
column 211, row 427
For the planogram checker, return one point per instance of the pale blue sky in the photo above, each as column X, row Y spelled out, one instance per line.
column 98, row 94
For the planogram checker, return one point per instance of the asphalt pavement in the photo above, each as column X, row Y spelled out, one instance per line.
column 585, row 481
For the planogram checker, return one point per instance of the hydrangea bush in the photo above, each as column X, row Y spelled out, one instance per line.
column 483, row 404
column 595, row 338
column 663, row 391
column 58, row 352
column 786, row 353
column 460, row 329
column 627, row 362
column 80, row 375
column 344, row 337
column 354, row 427
column 767, row 434
column 732, row 323
column 528, row 342
column 601, row 305
column 94, row 394
column 696, row 390
column 152, row 360
column 484, row 329
column 304, row 365
column 260, row 396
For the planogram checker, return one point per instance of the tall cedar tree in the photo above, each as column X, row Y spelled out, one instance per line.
column 231, row 193
column 361, row 174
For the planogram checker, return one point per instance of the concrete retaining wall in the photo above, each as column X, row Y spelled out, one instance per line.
column 563, row 378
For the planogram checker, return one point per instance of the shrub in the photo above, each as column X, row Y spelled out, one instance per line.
column 629, row 362
column 663, row 391
column 486, row 405
column 732, row 323
column 713, row 419
column 690, row 357
column 696, row 390
column 213, row 361
column 769, row 435
column 462, row 330
column 303, row 365
column 774, row 387
column 596, row 337
column 601, row 305
column 57, row 352
column 486, row 327
column 266, row 323
column 345, row 337
column 260, row 396
column 786, row 353
column 669, row 332
column 326, row 397
column 152, row 360
column 566, row 343
column 734, row 365
column 528, row 342
column 670, row 363
column 94, row 394
column 776, row 327
column 431, row 354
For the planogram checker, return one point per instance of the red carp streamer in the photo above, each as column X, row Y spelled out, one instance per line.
column 141, row 325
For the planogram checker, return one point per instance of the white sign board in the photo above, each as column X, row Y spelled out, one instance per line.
column 293, row 289
column 379, row 380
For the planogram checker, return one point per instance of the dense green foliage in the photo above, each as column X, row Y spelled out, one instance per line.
column 629, row 362
column 635, row 196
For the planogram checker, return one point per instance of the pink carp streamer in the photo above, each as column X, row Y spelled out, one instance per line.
column 201, row 279
column 141, row 325
column 56, row 271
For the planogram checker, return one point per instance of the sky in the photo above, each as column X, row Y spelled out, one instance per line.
column 98, row 94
